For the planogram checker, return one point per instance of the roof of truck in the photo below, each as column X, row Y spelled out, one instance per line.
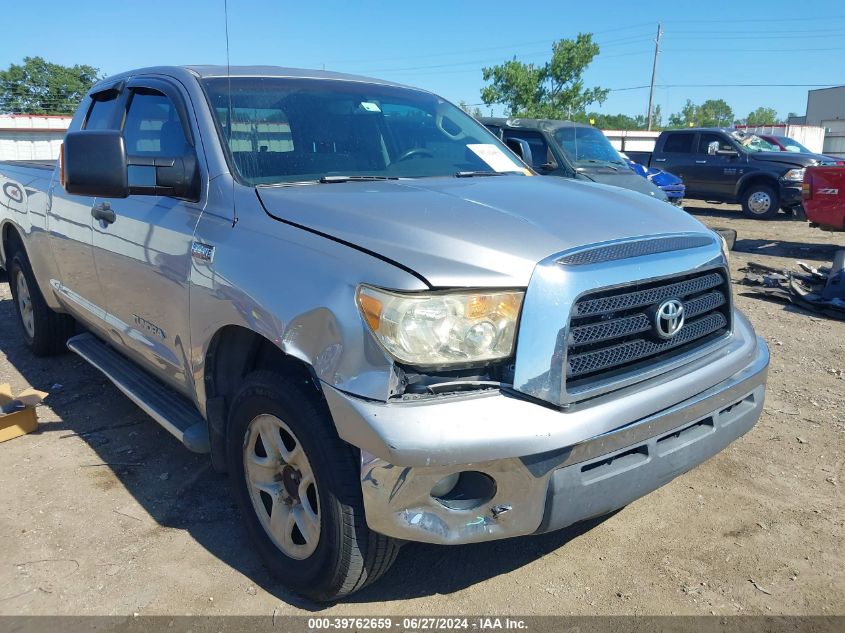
column 208, row 71
column 546, row 124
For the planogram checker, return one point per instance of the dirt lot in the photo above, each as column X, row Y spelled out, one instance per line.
column 102, row 512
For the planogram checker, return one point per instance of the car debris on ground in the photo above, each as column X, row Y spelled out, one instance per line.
column 820, row 290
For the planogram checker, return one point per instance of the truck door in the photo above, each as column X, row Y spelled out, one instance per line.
column 142, row 247
column 716, row 174
column 70, row 227
column 677, row 157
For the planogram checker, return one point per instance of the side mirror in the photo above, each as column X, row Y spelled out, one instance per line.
column 521, row 148
column 712, row 148
column 94, row 163
column 176, row 176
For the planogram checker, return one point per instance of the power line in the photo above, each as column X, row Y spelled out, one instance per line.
column 752, row 50
column 757, row 20
column 628, row 39
column 723, row 86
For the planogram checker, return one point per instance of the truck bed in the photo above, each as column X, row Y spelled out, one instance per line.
column 49, row 165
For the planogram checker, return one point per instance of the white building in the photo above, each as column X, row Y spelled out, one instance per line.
column 31, row 136
column 826, row 108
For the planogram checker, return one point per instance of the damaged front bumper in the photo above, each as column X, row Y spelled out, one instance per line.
column 549, row 468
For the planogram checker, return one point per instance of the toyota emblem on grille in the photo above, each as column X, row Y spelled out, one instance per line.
column 669, row 318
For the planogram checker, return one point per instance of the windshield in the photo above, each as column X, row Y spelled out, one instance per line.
column 753, row 143
column 791, row 145
column 285, row 130
column 587, row 146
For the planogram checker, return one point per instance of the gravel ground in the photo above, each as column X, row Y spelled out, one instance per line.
column 102, row 512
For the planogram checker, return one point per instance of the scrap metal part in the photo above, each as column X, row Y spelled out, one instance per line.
column 820, row 290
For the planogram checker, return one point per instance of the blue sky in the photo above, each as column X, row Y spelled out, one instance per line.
column 442, row 46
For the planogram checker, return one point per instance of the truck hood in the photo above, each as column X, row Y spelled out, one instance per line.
column 483, row 231
column 624, row 178
column 787, row 158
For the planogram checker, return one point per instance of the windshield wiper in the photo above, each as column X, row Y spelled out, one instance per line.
column 603, row 163
column 332, row 179
column 472, row 174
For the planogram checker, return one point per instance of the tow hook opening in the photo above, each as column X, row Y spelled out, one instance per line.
column 466, row 490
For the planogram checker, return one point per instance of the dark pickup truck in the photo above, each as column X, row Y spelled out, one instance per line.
column 732, row 166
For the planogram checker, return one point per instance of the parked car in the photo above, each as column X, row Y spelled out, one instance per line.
column 722, row 165
column 824, row 197
column 369, row 313
column 670, row 184
column 570, row 150
column 786, row 144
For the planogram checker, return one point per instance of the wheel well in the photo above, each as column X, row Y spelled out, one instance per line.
column 234, row 353
column 757, row 180
column 11, row 241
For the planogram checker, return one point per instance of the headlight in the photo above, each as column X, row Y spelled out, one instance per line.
column 796, row 175
column 442, row 329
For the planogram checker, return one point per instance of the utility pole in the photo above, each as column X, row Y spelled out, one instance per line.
column 654, row 72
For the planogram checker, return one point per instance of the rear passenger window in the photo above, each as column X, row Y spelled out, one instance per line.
column 678, row 143
column 152, row 127
column 101, row 113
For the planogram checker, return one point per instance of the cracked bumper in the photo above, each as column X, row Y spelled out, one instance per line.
column 546, row 490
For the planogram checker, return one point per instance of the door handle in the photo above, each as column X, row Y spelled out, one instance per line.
column 659, row 160
column 701, row 162
column 103, row 211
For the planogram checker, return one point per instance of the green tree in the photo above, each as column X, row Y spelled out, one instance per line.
column 687, row 117
column 473, row 111
column 715, row 113
column 711, row 113
column 762, row 116
column 554, row 90
column 39, row 87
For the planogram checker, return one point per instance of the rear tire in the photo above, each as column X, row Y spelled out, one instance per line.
column 297, row 485
column 45, row 332
column 760, row 202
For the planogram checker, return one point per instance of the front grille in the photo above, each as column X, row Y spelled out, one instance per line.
column 612, row 332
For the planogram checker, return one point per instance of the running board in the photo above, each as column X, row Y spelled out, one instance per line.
column 165, row 406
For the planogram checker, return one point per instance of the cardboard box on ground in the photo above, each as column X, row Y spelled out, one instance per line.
column 17, row 414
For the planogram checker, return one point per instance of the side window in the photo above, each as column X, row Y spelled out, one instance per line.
column 705, row 138
column 152, row 126
column 101, row 113
column 540, row 153
column 679, row 143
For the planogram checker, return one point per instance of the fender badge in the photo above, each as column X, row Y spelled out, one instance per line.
column 202, row 252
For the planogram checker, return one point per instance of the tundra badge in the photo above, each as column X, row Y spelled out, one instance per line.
column 202, row 252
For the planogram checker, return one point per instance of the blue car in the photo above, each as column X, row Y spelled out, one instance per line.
column 671, row 185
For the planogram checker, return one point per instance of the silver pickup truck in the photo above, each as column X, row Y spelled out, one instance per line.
column 368, row 311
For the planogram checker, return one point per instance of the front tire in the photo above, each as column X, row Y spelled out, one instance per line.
column 297, row 485
column 760, row 202
column 45, row 332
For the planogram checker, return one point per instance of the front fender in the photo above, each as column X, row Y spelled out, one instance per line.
column 293, row 288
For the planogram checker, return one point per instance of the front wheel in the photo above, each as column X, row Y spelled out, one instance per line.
column 297, row 485
column 760, row 202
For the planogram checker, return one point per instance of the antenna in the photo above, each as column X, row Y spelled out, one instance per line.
column 229, row 116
